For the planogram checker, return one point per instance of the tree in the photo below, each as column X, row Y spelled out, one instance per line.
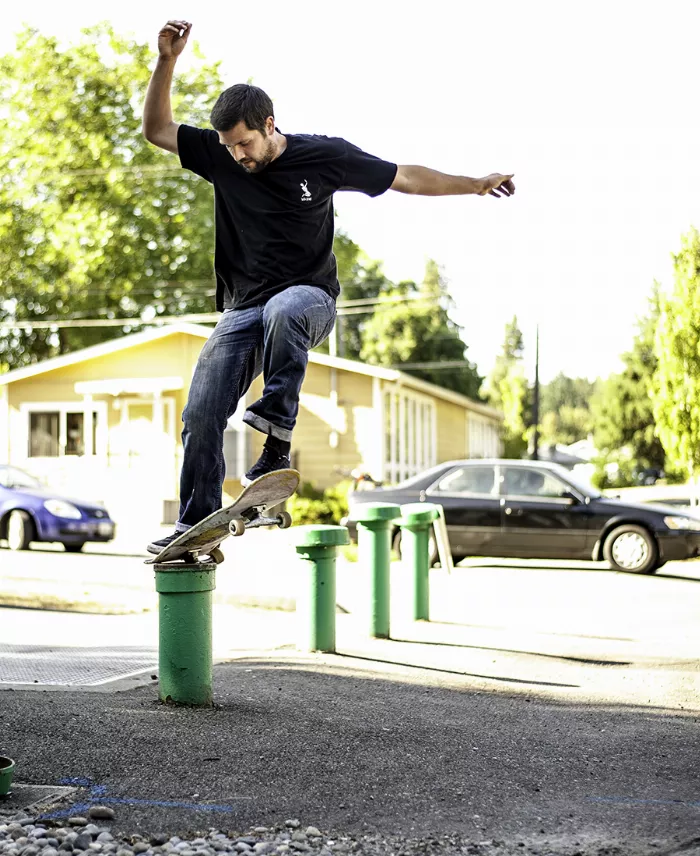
column 361, row 278
column 95, row 222
column 420, row 331
column 506, row 389
column 622, row 408
column 511, row 353
column 675, row 388
column 565, row 405
column 563, row 391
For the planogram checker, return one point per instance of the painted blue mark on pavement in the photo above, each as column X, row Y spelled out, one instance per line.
column 636, row 801
column 98, row 792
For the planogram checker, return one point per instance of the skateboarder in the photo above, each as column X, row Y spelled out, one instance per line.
column 276, row 276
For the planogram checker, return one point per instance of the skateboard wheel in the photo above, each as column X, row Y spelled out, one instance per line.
column 284, row 520
column 236, row 526
column 216, row 555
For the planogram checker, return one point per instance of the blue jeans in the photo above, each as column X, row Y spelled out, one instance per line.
column 274, row 339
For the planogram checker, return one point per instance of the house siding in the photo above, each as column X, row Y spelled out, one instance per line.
column 339, row 423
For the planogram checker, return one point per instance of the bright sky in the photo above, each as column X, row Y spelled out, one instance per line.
column 592, row 105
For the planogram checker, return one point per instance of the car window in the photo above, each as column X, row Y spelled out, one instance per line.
column 477, row 480
column 522, row 481
column 11, row 477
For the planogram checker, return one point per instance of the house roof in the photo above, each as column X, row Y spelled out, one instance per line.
column 131, row 340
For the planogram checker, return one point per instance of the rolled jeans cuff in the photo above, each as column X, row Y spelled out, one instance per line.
column 266, row 427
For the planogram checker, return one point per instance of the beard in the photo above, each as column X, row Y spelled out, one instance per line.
column 253, row 165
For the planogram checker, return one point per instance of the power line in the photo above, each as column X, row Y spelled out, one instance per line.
column 201, row 317
column 197, row 317
column 437, row 365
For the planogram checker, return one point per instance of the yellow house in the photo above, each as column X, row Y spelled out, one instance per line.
column 104, row 422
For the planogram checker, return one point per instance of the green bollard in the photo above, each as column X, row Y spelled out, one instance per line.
column 7, row 771
column 374, row 525
column 318, row 546
column 416, row 522
column 185, row 633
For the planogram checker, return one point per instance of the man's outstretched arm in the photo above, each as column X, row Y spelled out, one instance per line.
column 429, row 182
column 158, row 125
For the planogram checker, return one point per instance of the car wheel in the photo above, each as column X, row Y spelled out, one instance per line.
column 20, row 530
column 433, row 557
column 631, row 548
column 73, row 548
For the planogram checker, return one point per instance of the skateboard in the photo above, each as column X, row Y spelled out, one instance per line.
column 246, row 512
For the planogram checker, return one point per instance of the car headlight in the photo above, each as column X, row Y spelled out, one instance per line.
column 59, row 508
column 682, row 523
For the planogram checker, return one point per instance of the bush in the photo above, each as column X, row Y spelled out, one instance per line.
column 310, row 505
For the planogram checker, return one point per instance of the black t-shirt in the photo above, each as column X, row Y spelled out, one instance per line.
column 275, row 228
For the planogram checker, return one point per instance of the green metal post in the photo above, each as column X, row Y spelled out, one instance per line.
column 317, row 547
column 416, row 522
column 374, row 525
column 7, row 770
column 185, row 633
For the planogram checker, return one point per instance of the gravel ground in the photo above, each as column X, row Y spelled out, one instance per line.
column 81, row 836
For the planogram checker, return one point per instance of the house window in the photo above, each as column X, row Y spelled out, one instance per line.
column 63, row 431
column 484, row 440
column 75, row 444
column 409, row 434
column 43, row 435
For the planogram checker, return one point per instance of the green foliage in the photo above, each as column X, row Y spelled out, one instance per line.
column 565, row 410
column 506, row 389
column 94, row 221
column 675, row 388
column 565, row 426
column 622, row 408
column 511, row 354
column 361, row 278
column 417, row 331
column 310, row 505
column 563, row 391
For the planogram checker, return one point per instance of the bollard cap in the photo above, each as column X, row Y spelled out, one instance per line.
column 368, row 512
column 320, row 536
column 416, row 513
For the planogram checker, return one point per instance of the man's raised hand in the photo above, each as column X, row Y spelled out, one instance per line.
column 498, row 185
column 173, row 37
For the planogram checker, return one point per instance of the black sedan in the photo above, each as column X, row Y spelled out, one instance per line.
column 536, row 510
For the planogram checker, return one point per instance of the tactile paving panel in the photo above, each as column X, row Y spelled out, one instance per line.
column 56, row 666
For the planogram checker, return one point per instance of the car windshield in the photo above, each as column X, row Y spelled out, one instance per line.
column 12, row 477
column 582, row 485
column 424, row 475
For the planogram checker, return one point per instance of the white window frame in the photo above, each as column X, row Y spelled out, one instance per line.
column 483, row 435
column 411, row 419
column 63, row 408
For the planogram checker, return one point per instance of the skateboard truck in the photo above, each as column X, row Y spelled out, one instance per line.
column 199, row 545
column 256, row 518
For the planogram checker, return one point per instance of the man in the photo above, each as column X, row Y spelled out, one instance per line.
column 275, row 270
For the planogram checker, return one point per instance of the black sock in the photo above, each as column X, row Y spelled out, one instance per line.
column 281, row 447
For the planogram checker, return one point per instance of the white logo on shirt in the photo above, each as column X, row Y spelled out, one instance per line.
column 305, row 195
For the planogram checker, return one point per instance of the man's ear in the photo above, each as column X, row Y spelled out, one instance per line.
column 270, row 125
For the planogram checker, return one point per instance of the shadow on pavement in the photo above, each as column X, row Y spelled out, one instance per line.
column 586, row 660
column 354, row 749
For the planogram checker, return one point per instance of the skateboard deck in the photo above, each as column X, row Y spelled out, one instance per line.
column 246, row 512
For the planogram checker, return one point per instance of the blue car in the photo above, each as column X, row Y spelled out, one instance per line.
column 29, row 512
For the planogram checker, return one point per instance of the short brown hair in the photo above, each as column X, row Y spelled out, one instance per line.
column 242, row 103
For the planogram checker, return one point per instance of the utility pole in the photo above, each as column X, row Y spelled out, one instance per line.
column 536, row 403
